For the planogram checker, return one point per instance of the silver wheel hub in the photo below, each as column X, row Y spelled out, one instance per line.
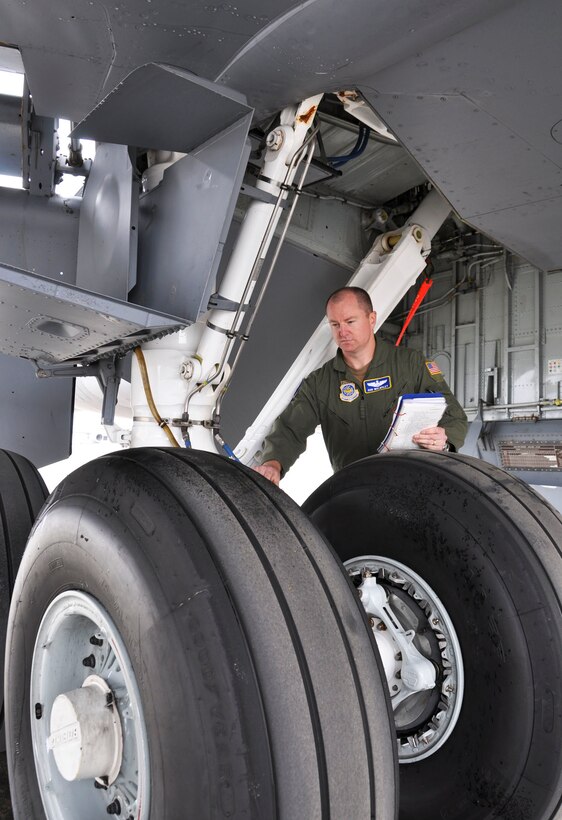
column 88, row 731
column 86, row 738
column 419, row 650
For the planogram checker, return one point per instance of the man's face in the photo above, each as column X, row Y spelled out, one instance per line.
column 352, row 326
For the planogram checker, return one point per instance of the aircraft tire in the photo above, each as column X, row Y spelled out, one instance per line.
column 240, row 664
column 488, row 549
column 22, row 494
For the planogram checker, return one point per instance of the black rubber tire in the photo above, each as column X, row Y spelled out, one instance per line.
column 490, row 548
column 253, row 658
column 22, row 494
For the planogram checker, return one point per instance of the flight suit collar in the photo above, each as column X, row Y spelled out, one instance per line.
column 380, row 357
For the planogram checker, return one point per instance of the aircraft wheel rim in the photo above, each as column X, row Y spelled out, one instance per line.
column 77, row 636
column 430, row 730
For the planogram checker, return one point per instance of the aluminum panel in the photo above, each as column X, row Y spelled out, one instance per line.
column 39, row 233
column 107, row 237
column 46, row 321
column 36, row 413
column 10, row 135
column 291, row 309
column 183, row 225
column 163, row 107
column 76, row 51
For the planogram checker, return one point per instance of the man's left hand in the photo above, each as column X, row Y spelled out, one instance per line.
column 432, row 438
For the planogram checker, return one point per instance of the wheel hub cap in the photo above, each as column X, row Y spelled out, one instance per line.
column 86, row 738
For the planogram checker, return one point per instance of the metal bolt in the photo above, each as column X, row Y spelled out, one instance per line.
column 109, row 699
column 114, row 808
column 89, row 661
column 435, row 621
column 398, row 675
column 38, row 711
column 372, row 622
column 186, row 370
column 398, row 656
column 101, row 782
column 381, row 627
column 95, row 641
column 360, row 593
column 275, row 139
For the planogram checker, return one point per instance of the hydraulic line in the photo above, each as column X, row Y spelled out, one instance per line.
column 356, row 151
column 149, row 398
column 267, row 278
column 222, row 443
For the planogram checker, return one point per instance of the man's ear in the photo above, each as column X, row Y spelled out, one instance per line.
column 373, row 319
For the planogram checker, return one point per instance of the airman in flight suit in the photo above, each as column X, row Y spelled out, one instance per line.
column 353, row 395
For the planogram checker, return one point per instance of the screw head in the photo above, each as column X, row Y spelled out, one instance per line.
column 114, row 808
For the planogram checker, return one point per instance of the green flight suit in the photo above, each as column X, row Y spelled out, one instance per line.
column 355, row 417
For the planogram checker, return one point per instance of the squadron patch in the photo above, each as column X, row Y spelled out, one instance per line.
column 374, row 385
column 434, row 369
column 348, row 391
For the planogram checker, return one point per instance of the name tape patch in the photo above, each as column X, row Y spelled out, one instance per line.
column 374, row 385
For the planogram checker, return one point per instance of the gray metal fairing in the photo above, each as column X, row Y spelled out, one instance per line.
column 473, row 90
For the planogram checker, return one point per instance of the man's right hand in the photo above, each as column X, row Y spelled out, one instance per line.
column 271, row 470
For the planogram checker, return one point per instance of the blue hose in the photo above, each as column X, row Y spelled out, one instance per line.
column 357, row 150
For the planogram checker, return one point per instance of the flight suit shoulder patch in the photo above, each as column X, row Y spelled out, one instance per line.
column 434, row 369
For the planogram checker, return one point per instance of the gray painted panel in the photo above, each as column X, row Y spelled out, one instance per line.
column 496, row 167
column 10, row 135
column 506, row 64
column 544, row 432
column 88, row 48
column 39, row 233
column 524, row 377
column 44, row 320
column 36, row 413
column 292, row 308
column 107, row 236
column 531, row 230
column 183, row 223
column 163, row 107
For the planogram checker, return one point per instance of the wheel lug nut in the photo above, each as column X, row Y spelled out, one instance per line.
column 95, row 641
column 114, row 808
column 89, row 661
